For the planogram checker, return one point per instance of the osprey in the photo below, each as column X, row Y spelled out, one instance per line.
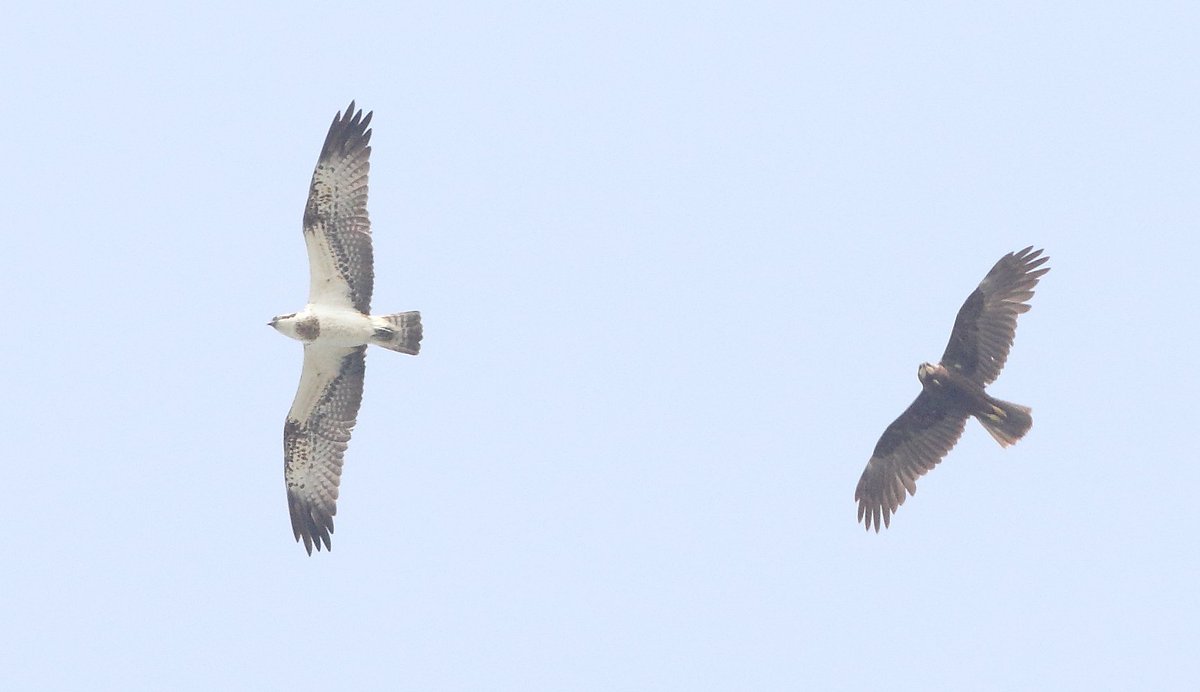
column 953, row 390
column 335, row 327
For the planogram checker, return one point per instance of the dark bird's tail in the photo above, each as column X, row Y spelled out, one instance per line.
column 1006, row 422
column 399, row 332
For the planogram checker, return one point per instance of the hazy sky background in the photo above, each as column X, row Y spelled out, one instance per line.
column 678, row 264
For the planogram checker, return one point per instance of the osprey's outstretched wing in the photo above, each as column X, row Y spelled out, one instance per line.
column 315, row 437
column 987, row 322
column 337, row 230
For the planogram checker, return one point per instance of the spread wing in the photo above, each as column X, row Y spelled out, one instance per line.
column 315, row 437
column 337, row 230
column 986, row 323
column 912, row 445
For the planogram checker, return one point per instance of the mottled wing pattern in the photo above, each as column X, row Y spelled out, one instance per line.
column 986, row 323
column 337, row 230
column 912, row 445
column 315, row 437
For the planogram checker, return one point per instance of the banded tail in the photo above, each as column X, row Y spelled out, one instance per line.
column 399, row 332
column 1006, row 422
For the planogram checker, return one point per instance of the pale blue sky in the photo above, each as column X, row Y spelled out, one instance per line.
column 677, row 265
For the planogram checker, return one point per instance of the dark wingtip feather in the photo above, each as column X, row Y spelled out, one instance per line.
column 875, row 508
column 312, row 530
column 1031, row 259
column 348, row 132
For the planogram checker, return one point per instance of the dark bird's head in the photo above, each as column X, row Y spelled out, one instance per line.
column 928, row 373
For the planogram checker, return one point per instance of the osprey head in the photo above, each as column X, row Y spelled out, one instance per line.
column 285, row 324
column 306, row 328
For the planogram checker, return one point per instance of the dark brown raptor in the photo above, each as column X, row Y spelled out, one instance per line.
column 953, row 390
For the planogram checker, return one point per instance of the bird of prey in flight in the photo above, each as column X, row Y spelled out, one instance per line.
column 953, row 390
column 335, row 327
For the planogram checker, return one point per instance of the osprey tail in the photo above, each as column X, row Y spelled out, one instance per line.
column 1006, row 422
column 399, row 332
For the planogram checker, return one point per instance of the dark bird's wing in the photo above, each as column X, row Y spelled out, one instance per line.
column 912, row 445
column 986, row 323
column 337, row 230
column 315, row 437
